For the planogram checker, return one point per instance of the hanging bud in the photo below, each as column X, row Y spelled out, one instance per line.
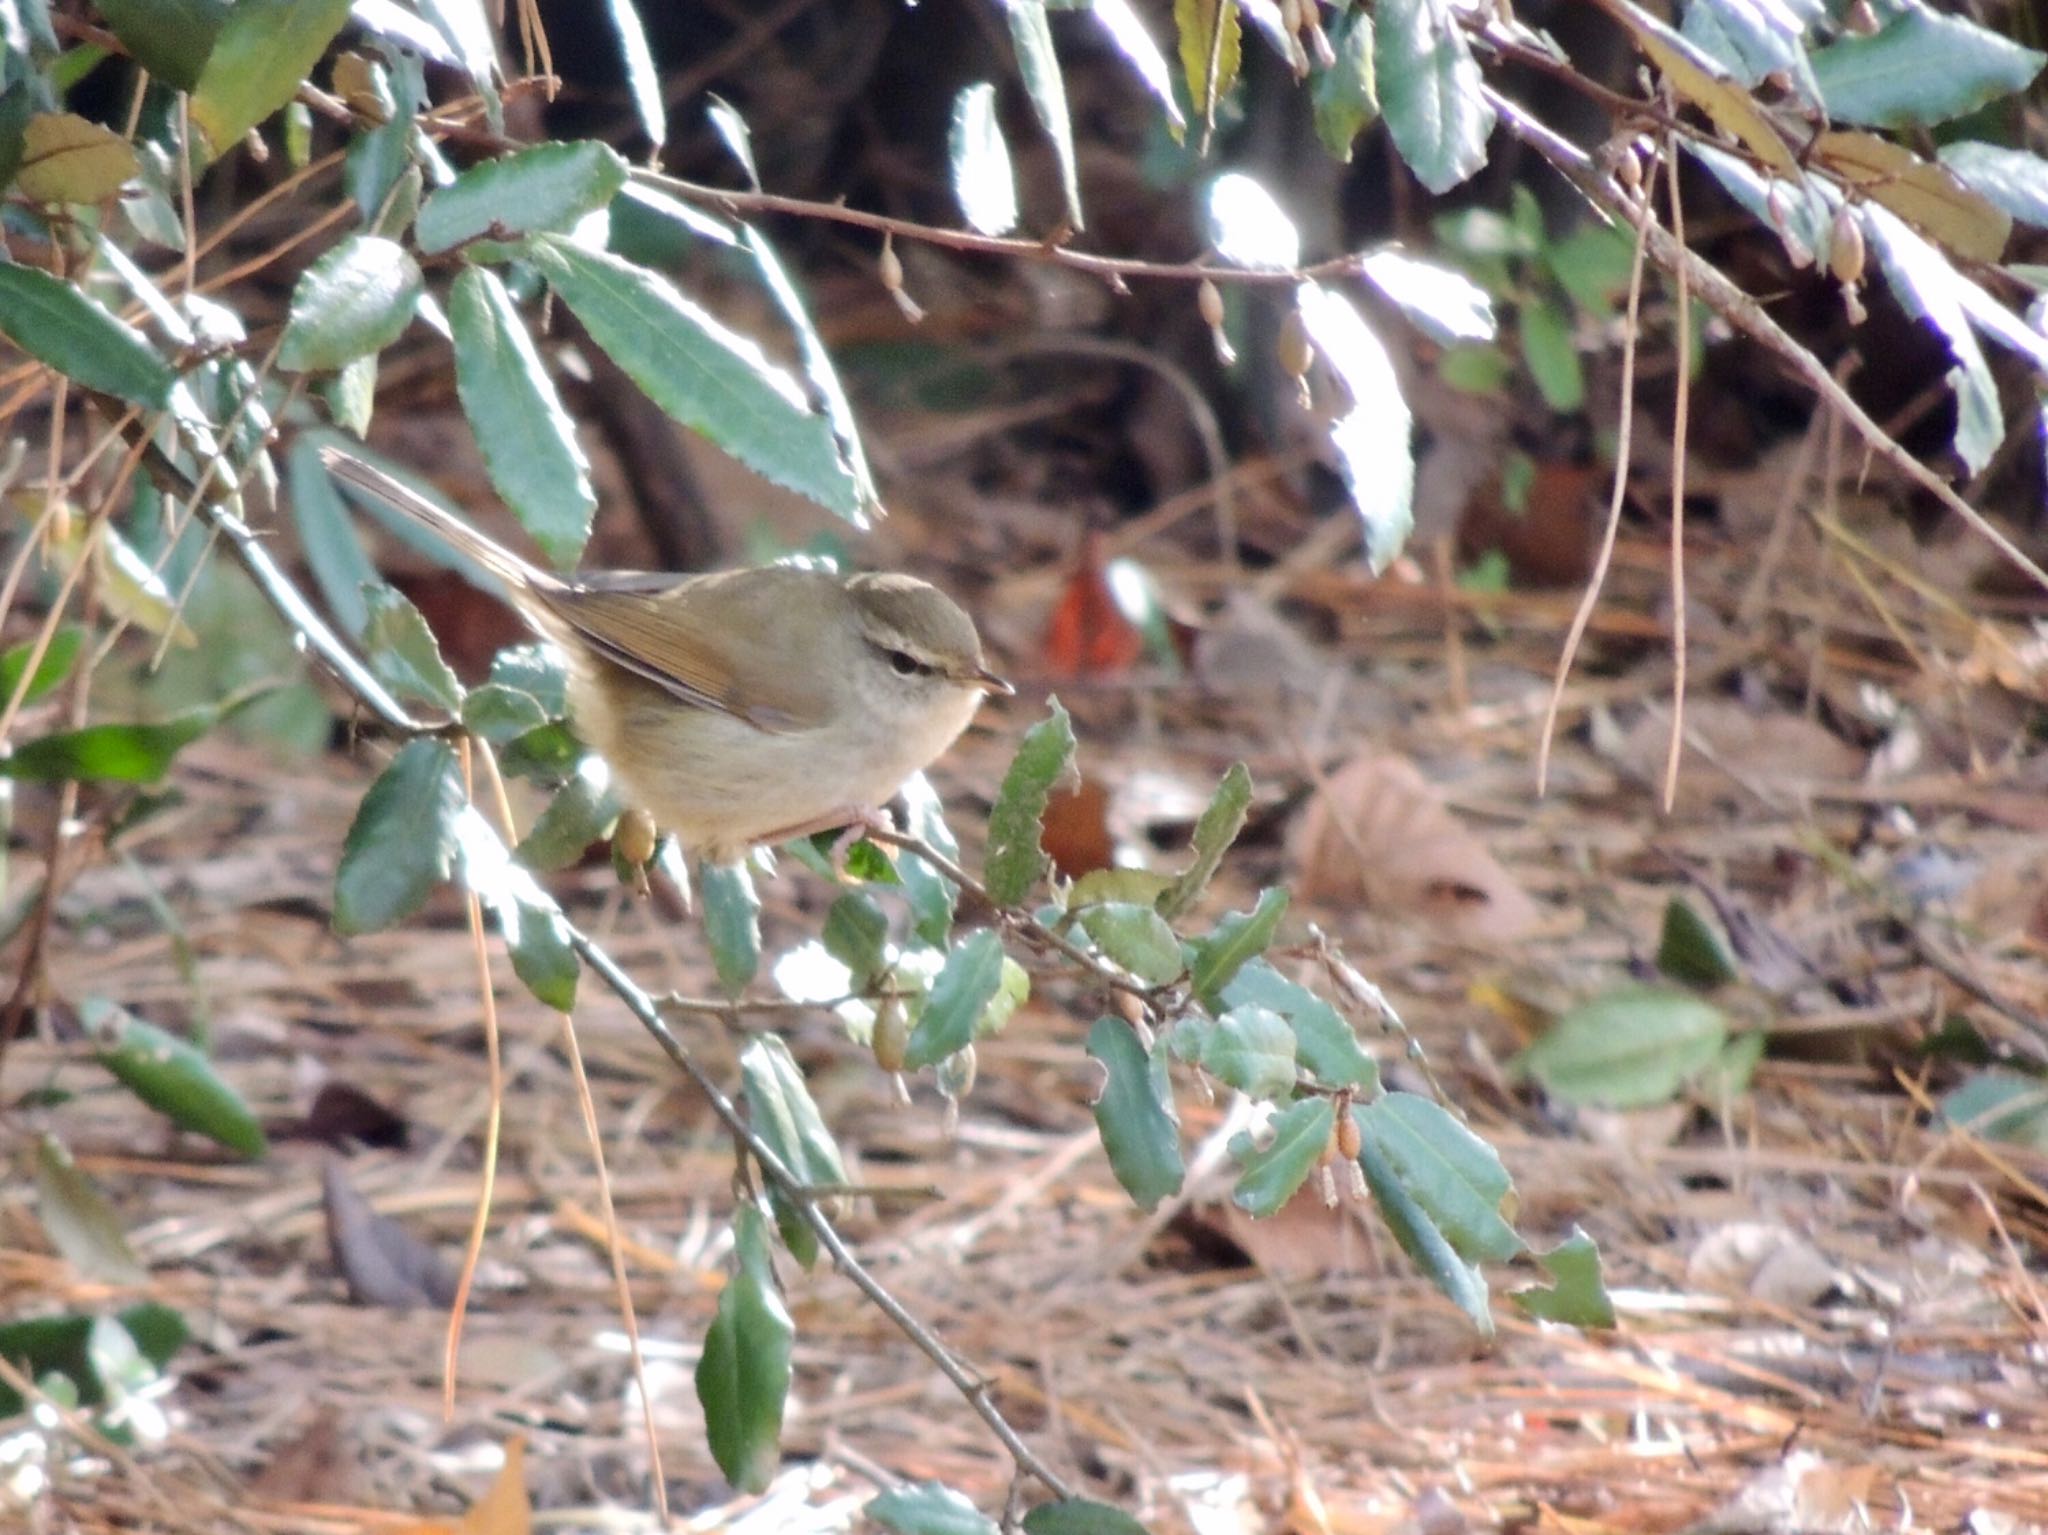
column 1845, row 247
column 1852, row 303
column 955, row 1074
column 1347, row 1139
column 1296, row 352
column 1209, row 300
column 891, row 1036
column 889, row 267
column 635, row 838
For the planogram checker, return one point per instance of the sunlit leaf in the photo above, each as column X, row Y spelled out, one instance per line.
column 1753, row 39
column 1928, row 287
column 1135, row 937
column 262, row 53
column 1211, row 41
column 535, row 931
column 1459, row 1280
column 171, row 1076
column 1431, row 91
column 403, row 652
column 983, row 181
column 1552, row 355
column 1236, row 940
column 1325, row 1045
column 1248, row 228
column 1372, row 437
column 1120, row 20
column 1346, row 95
column 109, row 753
column 1447, row 304
column 643, row 80
column 52, row 669
column 2012, row 179
column 583, row 810
column 1921, row 67
column 1929, row 197
column 67, row 159
column 1039, row 67
column 782, row 1113
column 356, row 299
column 55, row 323
column 1699, row 78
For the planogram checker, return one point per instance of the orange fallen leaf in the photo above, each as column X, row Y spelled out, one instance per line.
column 1088, row 634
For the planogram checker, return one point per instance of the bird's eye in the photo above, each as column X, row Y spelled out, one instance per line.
column 904, row 664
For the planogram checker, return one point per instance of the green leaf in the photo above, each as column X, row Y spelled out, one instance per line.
column 80, row 1223
column 1796, row 211
column 1579, row 1296
column 732, row 923
column 929, row 1509
column 1039, row 67
column 856, row 933
column 379, row 156
column 1252, row 1049
column 1300, row 1137
column 535, row 931
column 931, row 895
column 1922, row 67
column 1119, row 18
column 55, row 323
column 1214, row 833
column 1372, row 436
column 702, row 374
column 2012, row 179
column 1430, row 91
column 403, row 652
column 1134, row 1114
column 959, row 994
column 1015, row 861
column 549, row 754
column 1135, row 937
column 583, row 810
column 1346, row 95
column 17, row 105
column 1450, row 1173
column 743, row 1375
column 547, row 187
column 1211, row 51
column 499, row 713
column 1728, row 1077
column 1459, row 1281
column 1239, row 938
column 536, row 670
column 1928, row 287
column 643, row 81
column 983, row 182
column 528, row 441
column 67, row 159
column 1552, row 356
column 1752, row 39
column 1691, row 951
column 169, row 38
column 2000, row 1105
column 782, row 1113
column 1628, row 1049
column 53, row 1347
column 402, row 841
column 1013, row 990
column 351, row 395
column 262, row 53
column 356, row 299
column 1080, row 1516
column 1325, row 1045
column 54, row 667
column 109, row 753
column 171, row 1076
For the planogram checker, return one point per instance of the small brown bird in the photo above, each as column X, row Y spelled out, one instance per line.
column 742, row 706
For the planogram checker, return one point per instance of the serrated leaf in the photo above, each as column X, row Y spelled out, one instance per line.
column 1579, row 1295
column 547, row 187
column 983, row 183
column 1630, row 1048
column 583, row 810
column 1300, row 1136
column 1248, row 228
column 1459, row 1281
column 1252, row 1049
column 962, row 989
column 261, row 54
column 1039, row 68
column 1430, row 91
column 139, row 753
column 1373, row 436
column 928, row 1509
column 1928, row 287
column 55, row 323
column 66, row 159
column 732, row 923
column 1134, row 1114
column 1447, row 304
column 1135, row 937
column 782, row 1113
column 401, row 843
column 744, row 1372
column 1920, row 68
column 169, row 38
column 1127, row 33
column 527, row 439
column 79, row 1222
column 50, row 670
column 1450, row 1173
column 1222, row 819
column 1690, row 950
column 1325, row 1045
column 1016, row 822
column 535, row 931
column 2011, row 179
column 1080, row 1516
column 403, row 651
column 172, row 1076
column 1211, row 51
column 1237, row 939
column 931, row 895
column 1346, row 95
column 699, row 372
column 356, row 299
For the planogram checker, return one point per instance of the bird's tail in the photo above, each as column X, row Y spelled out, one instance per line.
column 521, row 578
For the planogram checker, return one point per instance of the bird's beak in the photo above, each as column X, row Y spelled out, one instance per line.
column 981, row 677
